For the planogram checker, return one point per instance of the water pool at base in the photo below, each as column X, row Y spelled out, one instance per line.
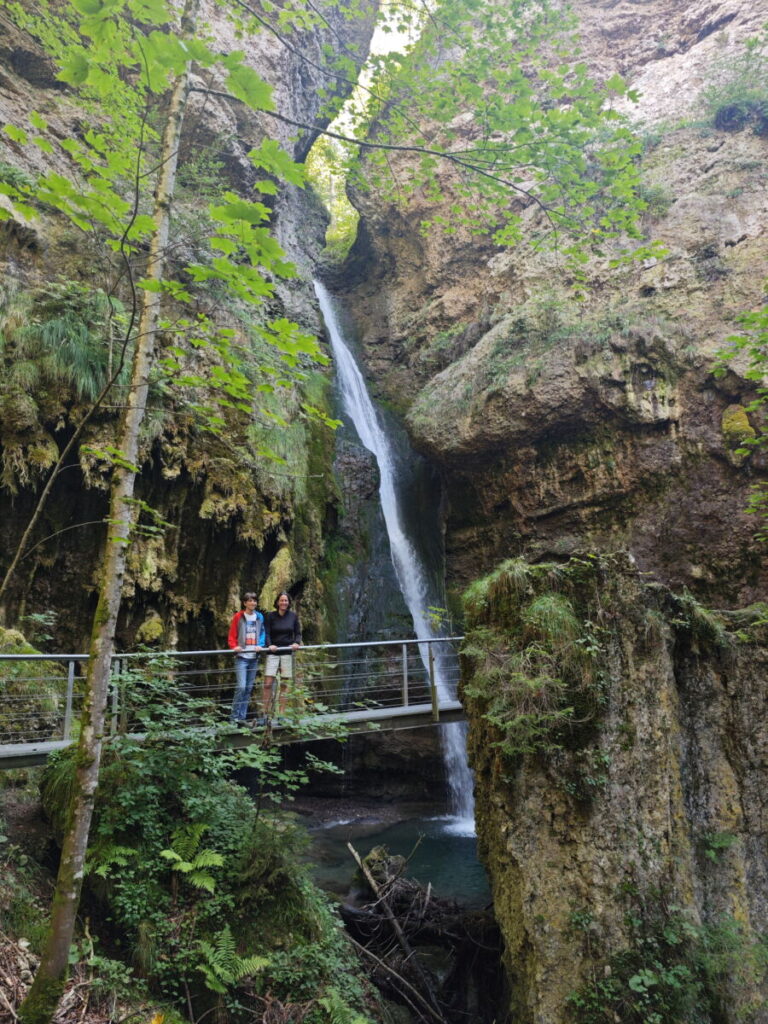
column 446, row 855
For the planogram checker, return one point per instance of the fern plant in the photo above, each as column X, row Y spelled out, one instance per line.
column 339, row 1011
column 185, row 857
column 58, row 334
column 222, row 966
column 103, row 859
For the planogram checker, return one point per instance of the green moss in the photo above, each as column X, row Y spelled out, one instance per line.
column 42, row 1000
column 280, row 577
column 735, row 426
column 151, row 630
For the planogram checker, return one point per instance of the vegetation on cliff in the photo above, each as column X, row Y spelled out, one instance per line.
column 122, row 183
column 618, row 792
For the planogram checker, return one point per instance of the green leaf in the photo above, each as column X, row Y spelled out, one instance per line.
column 17, row 134
column 88, row 7
column 241, row 210
column 616, row 84
column 248, row 86
column 275, row 160
column 151, row 12
column 74, row 70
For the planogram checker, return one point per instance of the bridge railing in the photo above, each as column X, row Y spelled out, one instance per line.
column 41, row 695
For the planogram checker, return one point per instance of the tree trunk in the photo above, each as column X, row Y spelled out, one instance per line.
column 42, row 999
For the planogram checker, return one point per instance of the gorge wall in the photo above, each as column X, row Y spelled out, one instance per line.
column 617, row 727
column 236, row 519
column 619, row 744
column 561, row 424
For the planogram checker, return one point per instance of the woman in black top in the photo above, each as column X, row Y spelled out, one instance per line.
column 283, row 633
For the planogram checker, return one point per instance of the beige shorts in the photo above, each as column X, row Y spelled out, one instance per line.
column 283, row 662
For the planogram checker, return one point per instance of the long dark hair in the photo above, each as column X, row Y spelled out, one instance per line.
column 283, row 593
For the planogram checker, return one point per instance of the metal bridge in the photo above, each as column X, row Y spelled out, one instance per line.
column 338, row 689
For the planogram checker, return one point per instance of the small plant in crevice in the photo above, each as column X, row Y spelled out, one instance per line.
column 715, row 844
column 585, row 773
column 657, row 198
column 738, row 99
column 674, row 969
column 750, row 345
column 699, row 623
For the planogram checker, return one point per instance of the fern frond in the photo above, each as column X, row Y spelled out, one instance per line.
column 251, row 965
column 186, row 839
column 208, row 859
column 101, row 859
column 222, row 965
column 339, row 1011
column 201, row 880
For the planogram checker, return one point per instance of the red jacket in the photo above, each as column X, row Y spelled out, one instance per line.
column 234, row 639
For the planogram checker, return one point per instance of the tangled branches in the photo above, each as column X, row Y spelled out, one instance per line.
column 426, row 953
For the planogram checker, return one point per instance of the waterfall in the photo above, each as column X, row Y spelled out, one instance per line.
column 408, row 561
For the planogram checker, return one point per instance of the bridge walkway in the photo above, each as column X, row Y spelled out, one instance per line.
column 347, row 688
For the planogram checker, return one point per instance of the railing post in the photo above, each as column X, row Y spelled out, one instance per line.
column 68, row 700
column 433, row 685
column 122, row 724
column 114, row 675
column 405, row 675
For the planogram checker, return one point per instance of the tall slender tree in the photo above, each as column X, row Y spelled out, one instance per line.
column 163, row 61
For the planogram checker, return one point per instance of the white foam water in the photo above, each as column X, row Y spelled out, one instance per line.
column 409, row 565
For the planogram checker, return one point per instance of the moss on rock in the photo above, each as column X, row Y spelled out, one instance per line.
column 611, row 734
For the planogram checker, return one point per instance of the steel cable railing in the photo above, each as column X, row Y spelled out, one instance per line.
column 41, row 696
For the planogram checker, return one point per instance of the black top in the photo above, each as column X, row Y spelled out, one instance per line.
column 282, row 630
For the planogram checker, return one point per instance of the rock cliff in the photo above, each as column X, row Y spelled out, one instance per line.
column 620, row 756
column 561, row 424
column 617, row 728
column 237, row 520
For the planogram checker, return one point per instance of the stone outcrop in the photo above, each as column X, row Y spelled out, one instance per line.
column 629, row 834
column 236, row 520
column 559, row 424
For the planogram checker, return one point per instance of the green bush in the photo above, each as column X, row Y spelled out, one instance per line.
column 675, row 970
column 178, row 848
column 739, row 98
column 534, row 672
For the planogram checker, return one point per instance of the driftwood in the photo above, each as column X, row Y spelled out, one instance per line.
column 410, row 955
column 439, row 959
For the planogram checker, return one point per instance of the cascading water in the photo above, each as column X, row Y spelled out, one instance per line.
column 406, row 558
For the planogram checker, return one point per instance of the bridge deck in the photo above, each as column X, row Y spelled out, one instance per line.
column 385, row 684
column 414, row 716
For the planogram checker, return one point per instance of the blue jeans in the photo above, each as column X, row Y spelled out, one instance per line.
column 245, row 674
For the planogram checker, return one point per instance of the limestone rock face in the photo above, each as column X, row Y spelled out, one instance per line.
column 645, row 811
column 232, row 525
column 560, row 424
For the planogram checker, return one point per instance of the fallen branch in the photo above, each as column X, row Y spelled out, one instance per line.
column 400, row 935
column 406, row 984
